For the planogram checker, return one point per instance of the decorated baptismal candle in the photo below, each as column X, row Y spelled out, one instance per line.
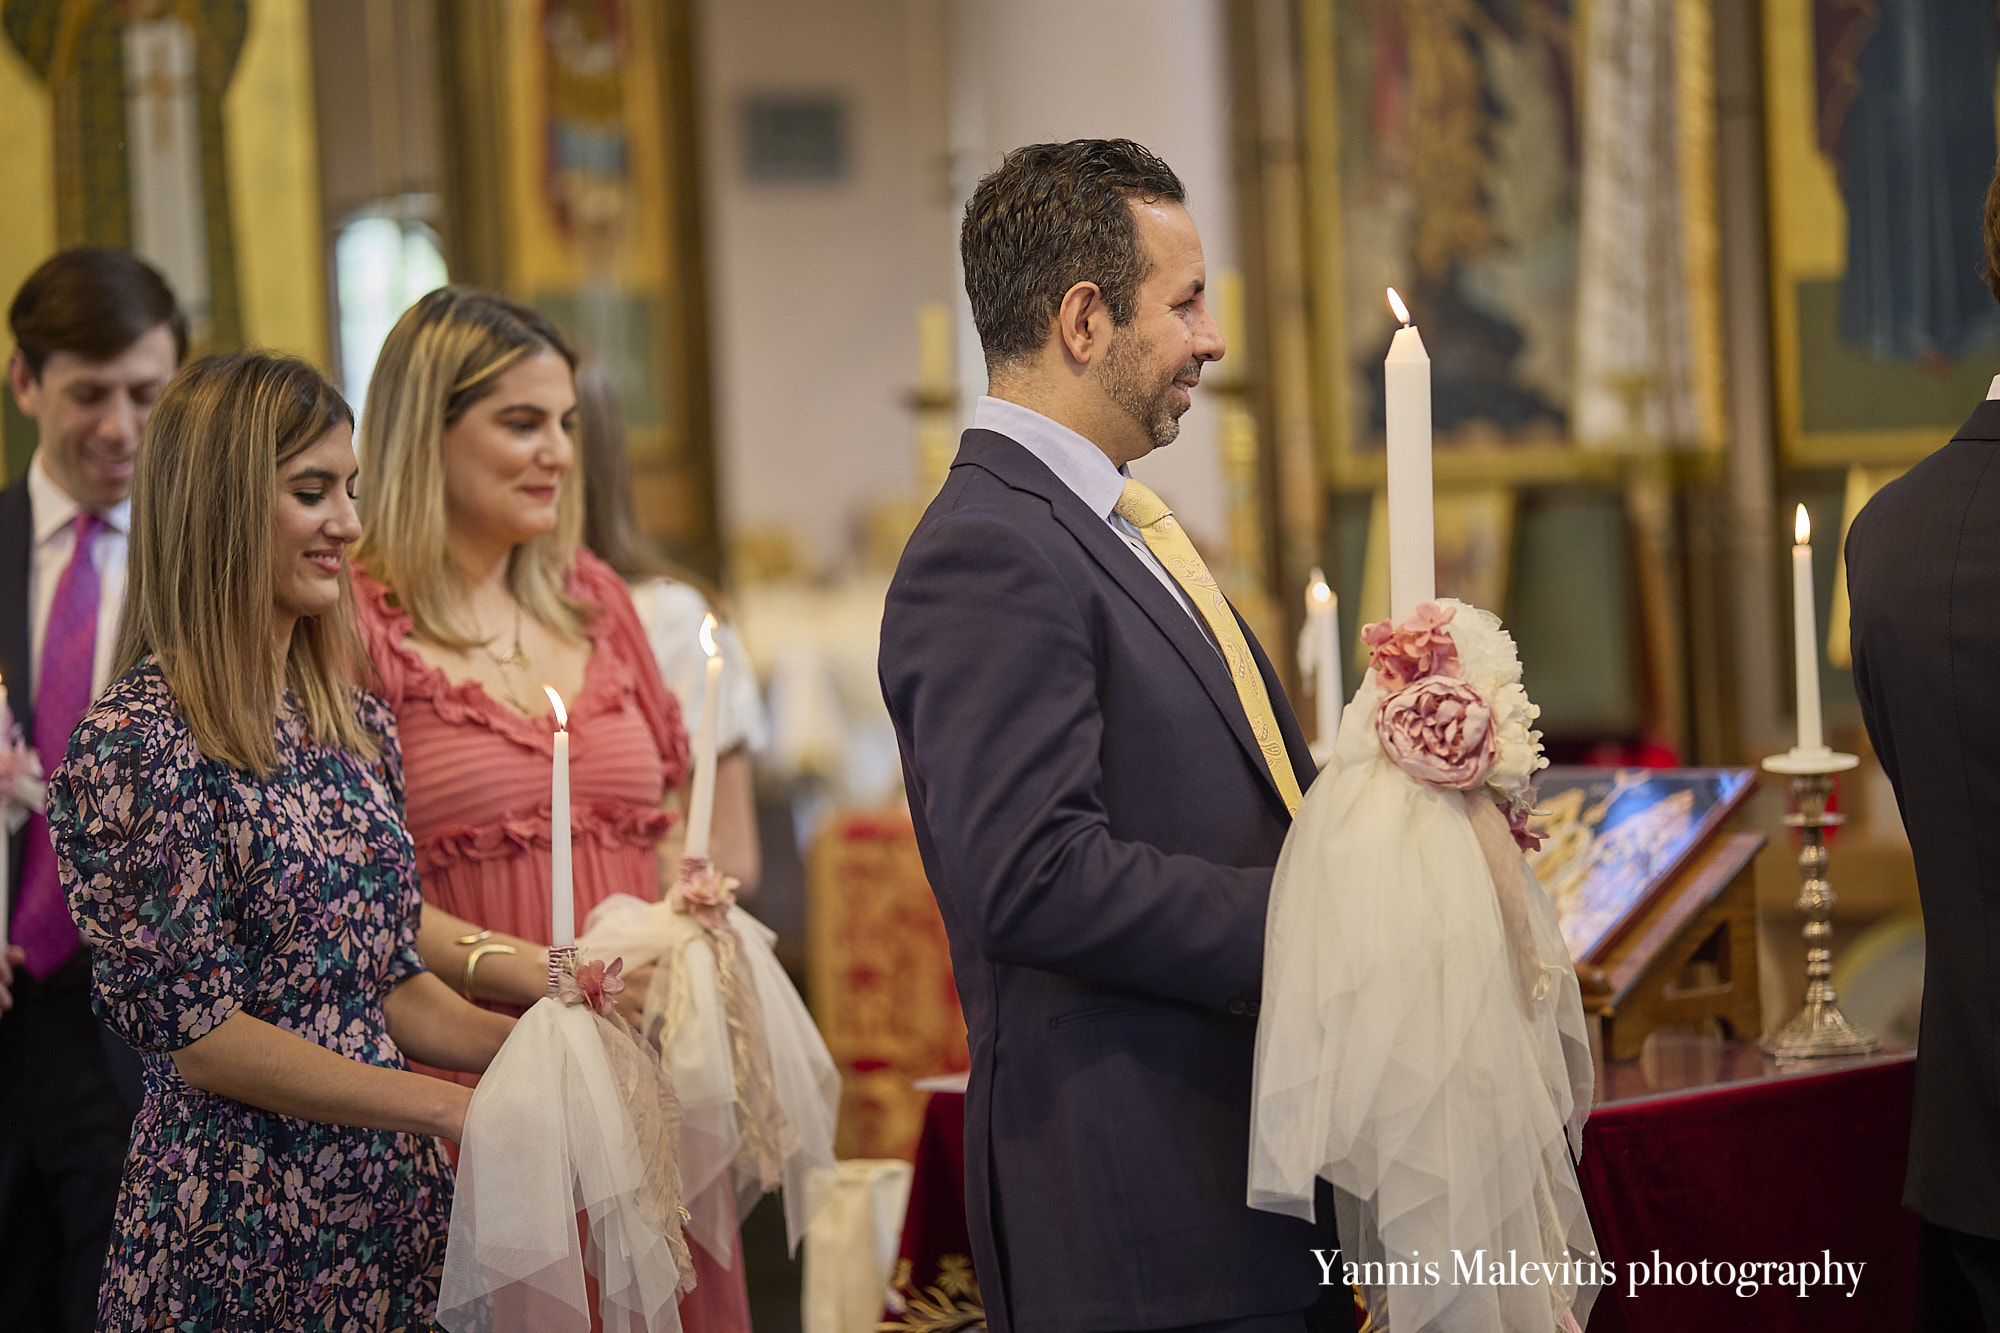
column 1407, row 398
column 701, row 801
column 1805, row 635
column 562, row 880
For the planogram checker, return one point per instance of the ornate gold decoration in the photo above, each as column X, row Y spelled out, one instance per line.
column 951, row 1304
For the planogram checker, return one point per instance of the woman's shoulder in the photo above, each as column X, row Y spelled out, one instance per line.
column 597, row 583
column 133, row 732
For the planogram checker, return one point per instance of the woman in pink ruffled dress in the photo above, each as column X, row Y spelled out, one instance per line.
column 474, row 592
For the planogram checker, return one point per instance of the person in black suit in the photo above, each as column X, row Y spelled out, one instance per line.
column 1923, row 577
column 97, row 335
column 1099, row 798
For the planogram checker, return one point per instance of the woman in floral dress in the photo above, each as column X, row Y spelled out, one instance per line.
column 230, row 831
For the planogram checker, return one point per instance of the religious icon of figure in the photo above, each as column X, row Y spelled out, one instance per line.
column 587, row 170
column 1905, row 101
column 137, row 91
column 1464, row 189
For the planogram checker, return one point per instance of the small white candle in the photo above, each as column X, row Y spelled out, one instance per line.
column 562, row 879
column 1805, row 636
column 1407, row 401
column 701, row 801
column 1323, row 624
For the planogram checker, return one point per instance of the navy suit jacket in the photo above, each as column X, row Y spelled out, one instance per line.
column 1923, row 575
column 17, row 544
column 1100, row 829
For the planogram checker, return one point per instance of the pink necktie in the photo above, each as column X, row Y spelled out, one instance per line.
column 42, row 925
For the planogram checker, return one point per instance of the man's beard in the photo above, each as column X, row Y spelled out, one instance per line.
column 1154, row 406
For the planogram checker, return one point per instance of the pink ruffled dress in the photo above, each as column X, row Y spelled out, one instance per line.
column 477, row 778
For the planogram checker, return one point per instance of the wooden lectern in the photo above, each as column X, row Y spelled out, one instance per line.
column 1656, row 897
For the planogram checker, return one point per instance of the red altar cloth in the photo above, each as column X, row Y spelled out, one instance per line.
column 1776, row 1168
column 1771, row 1167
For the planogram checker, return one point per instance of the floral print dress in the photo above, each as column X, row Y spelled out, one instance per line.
column 203, row 891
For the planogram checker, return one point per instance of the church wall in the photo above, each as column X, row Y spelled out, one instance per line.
column 1033, row 71
column 815, row 286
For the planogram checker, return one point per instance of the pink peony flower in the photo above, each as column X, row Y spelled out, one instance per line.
column 600, row 986
column 1440, row 732
column 1414, row 650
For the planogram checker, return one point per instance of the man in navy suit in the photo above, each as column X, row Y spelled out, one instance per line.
column 97, row 335
column 1923, row 577
column 1097, row 810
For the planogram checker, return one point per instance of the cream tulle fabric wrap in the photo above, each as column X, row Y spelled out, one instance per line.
column 1421, row 1042
column 573, row 1116
column 758, row 1090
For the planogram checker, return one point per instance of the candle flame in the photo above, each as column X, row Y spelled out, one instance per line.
column 708, row 635
column 1396, row 304
column 1802, row 527
column 1317, row 589
column 562, row 714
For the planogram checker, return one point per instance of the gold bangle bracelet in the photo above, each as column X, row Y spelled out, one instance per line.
column 474, row 938
column 472, row 962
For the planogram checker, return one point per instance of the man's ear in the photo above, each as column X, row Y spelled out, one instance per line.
column 27, row 389
column 1083, row 323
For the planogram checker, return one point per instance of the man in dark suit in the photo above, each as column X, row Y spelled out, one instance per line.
column 97, row 335
column 1101, row 767
column 1923, row 571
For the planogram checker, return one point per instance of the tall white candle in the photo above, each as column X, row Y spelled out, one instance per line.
column 562, row 880
column 701, row 801
column 1407, row 400
column 1323, row 623
column 1805, row 636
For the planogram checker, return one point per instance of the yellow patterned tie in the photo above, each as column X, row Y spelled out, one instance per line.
column 1156, row 523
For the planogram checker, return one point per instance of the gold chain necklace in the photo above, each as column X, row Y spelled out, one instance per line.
column 515, row 658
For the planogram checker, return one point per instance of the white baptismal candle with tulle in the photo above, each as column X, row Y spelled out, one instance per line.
column 1416, row 1049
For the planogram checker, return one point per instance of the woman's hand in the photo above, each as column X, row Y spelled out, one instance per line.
column 451, row 1120
column 631, row 1002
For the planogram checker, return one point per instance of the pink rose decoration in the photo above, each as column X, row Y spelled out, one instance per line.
column 1412, row 651
column 1440, row 732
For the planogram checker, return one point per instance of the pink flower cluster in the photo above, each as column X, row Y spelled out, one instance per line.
column 1404, row 654
column 594, row 984
column 703, row 892
column 1433, row 724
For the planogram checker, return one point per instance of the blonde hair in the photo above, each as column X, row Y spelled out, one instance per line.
column 201, row 577
column 443, row 356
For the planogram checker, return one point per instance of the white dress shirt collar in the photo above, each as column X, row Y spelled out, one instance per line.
column 1077, row 463
column 1993, row 391
column 55, row 508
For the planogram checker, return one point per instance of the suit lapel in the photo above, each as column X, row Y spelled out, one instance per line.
column 1013, row 464
column 17, row 536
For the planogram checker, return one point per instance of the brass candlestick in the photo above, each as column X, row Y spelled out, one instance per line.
column 1819, row 1029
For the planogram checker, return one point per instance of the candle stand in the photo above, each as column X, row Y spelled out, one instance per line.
column 1819, row 1029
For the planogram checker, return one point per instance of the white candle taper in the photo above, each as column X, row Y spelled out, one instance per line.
column 701, row 800
column 562, row 879
column 1407, row 406
column 1323, row 623
column 1805, row 636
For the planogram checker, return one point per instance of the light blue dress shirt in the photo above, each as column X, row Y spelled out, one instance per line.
column 1084, row 468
